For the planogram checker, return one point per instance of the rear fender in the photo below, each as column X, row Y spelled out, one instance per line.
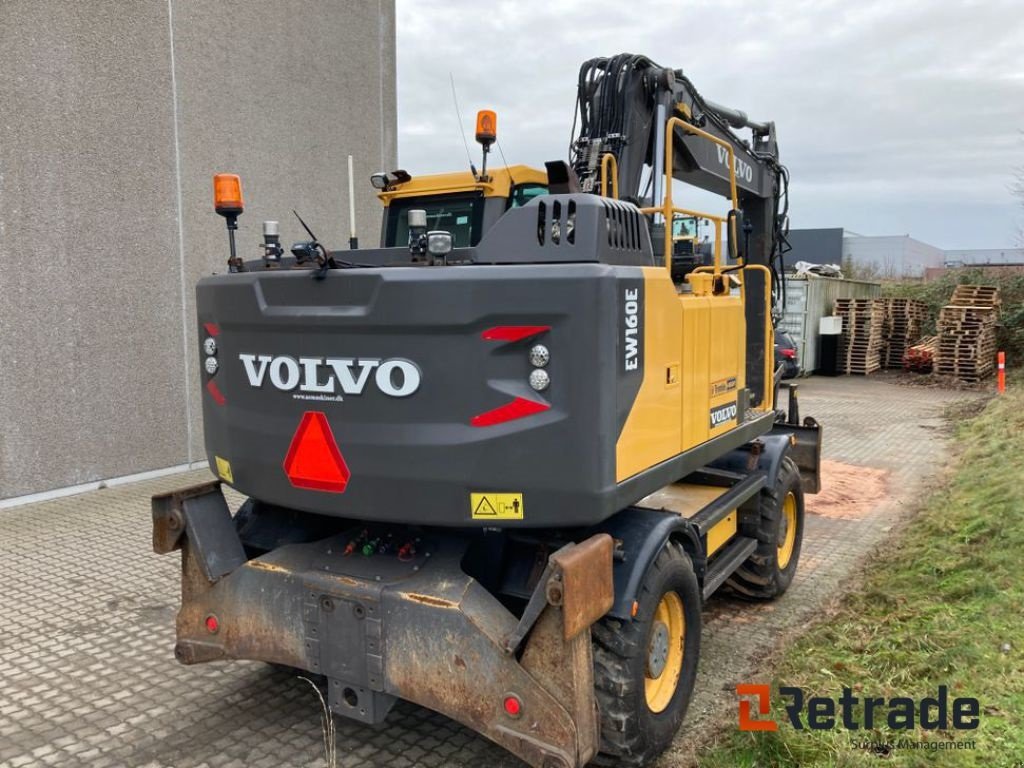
column 641, row 533
column 639, row 536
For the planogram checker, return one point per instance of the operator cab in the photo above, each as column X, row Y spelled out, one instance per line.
column 460, row 203
column 688, row 250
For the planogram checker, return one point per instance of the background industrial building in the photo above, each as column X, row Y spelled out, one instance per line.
column 890, row 256
column 115, row 117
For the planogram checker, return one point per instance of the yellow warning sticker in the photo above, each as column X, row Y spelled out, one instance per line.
column 496, row 506
column 224, row 470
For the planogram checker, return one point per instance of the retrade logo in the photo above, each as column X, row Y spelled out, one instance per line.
column 816, row 713
column 761, row 696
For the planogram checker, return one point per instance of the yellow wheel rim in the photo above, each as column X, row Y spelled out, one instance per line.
column 787, row 532
column 665, row 652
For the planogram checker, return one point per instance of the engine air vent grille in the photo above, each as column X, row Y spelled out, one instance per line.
column 623, row 224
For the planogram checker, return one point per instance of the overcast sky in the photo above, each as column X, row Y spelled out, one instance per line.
column 893, row 117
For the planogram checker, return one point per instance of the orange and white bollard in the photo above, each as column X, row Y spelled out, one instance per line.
column 1001, row 376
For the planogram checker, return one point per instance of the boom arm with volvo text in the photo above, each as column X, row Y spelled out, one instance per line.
column 496, row 465
column 648, row 118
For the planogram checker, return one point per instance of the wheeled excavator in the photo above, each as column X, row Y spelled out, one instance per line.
column 496, row 465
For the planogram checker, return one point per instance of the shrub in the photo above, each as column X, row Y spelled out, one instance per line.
column 936, row 294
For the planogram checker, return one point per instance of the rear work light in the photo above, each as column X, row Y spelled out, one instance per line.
column 314, row 460
column 539, row 356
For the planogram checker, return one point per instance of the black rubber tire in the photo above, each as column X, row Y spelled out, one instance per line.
column 631, row 734
column 760, row 577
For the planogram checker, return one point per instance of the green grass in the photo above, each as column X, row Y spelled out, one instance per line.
column 934, row 608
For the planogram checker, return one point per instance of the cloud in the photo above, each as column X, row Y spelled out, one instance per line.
column 906, row 107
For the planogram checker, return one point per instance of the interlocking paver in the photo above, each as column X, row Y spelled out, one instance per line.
column 88, row 677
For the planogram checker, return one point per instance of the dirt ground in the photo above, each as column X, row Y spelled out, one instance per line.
column 848, row 492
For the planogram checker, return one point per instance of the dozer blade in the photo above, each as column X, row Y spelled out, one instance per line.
column 382, row 628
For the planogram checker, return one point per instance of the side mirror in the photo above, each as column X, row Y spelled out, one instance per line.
column 734, row 231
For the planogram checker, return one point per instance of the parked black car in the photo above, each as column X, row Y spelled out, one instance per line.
column 786, row 355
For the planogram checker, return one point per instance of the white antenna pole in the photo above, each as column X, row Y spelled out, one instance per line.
column 462, row 128
column 353, row 241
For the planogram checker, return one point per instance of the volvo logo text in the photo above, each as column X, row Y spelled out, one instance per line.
column 723, row 414
column 332, row 375
column 744, row 171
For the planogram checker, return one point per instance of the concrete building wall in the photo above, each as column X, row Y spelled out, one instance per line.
column 885, row 256
column 115, row 117
column 891, row 255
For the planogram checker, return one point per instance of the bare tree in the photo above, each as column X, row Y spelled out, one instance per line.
column 1017, row 190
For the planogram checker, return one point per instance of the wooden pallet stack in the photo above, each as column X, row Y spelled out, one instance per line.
column 920, row 357
column 860, row 346
column 967, row 333
column 903, row 321
column 975, row 296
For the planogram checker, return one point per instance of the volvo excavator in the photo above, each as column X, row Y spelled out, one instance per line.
column 496, row 465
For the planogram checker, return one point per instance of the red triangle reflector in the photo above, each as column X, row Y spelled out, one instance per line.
column 313, row 459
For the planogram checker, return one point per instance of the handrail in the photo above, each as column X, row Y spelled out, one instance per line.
column 666, row 209
column 688, row 212
column 717, row 220
column 605, row 158
column 769, row 340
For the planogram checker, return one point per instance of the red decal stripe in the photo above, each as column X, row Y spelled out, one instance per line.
column 215, row 393
column 517, row 409
column 513, row 332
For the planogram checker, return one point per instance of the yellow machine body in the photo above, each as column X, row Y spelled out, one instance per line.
column 693, row 365
column 499, row 183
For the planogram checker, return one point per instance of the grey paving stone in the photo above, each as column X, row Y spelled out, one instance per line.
column 88, row 677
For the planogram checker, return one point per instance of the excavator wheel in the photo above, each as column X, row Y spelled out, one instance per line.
column 769, row 571
column 644, row 670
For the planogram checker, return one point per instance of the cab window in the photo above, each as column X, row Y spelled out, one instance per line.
column 685, row 226
column 459, row 214
column 524, row 193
